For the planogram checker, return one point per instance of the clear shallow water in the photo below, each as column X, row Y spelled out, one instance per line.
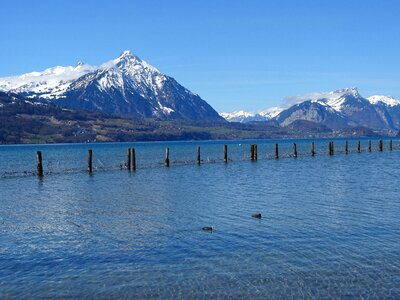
column 330, row 227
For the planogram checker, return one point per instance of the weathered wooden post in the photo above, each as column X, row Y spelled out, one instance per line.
column 128, row 159
column 90, row 161
column 390, row 145
column 198, row 155
column 276, row 151
column 369, row 146
column 133, row 159
column 312, row 149
column 359, row 147
column 253, row 152
column 166, row 161
column 225, row 153
column 294, row 150
column 346, row 147
column 39, row 164
column 380, row 145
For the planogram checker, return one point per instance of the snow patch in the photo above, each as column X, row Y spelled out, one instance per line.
column 388, row 100
column 271, row 112
column 47, row 84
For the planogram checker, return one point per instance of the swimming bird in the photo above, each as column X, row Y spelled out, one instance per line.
column 257, row 216
column 208, row 228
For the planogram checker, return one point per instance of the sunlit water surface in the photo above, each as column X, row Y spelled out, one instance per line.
column 330, row 226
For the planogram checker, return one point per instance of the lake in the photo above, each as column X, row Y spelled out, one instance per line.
column 330, row 225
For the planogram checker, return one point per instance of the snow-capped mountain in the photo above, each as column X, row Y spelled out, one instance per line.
column 345, row 107
column 336, row 110
column 126, row 86
column 245, row 117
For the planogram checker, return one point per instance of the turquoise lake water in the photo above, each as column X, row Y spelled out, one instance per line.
column 330, row 226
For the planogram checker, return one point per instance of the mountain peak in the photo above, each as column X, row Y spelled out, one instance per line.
column 127, row 57
column 126, row 53
column 130, row 63
column 353, row 91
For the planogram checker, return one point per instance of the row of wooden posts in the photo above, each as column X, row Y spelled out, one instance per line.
column 131, row 154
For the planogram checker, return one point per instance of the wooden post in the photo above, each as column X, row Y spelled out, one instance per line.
column 390, row 145
column 312, row 149
column 128, row 160
column 90, row 161
column 133, row 159
column 166, row 161
column 346, row 147
column 359, row 147
column 380, row 145
column 276, row 151
column 253, row 152
column 198, row 155
column 39, row 164
column 369, row 146
column 294, row 150
column 332, row 148
column 225, row 153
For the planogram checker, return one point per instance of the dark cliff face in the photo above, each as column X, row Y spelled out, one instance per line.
column 313, row 112
column 361, row 112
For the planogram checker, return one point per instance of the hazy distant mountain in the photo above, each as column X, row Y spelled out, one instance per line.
column 245, row 117
column 125, row 86
column 336, row 110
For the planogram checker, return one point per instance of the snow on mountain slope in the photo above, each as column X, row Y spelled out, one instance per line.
column 47, row 84
column 334, row 99
column 388, row 100
column 126, row 86
column 271, row 112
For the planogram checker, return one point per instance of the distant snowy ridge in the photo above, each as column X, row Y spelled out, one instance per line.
column 245, row 117
column 47, row 84
column 387, row 100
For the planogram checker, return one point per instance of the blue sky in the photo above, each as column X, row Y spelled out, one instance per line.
column 235, row 54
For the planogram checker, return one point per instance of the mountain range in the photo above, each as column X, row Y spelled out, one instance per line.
column 25, row 120
column 126, row 87
column 336, row 110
